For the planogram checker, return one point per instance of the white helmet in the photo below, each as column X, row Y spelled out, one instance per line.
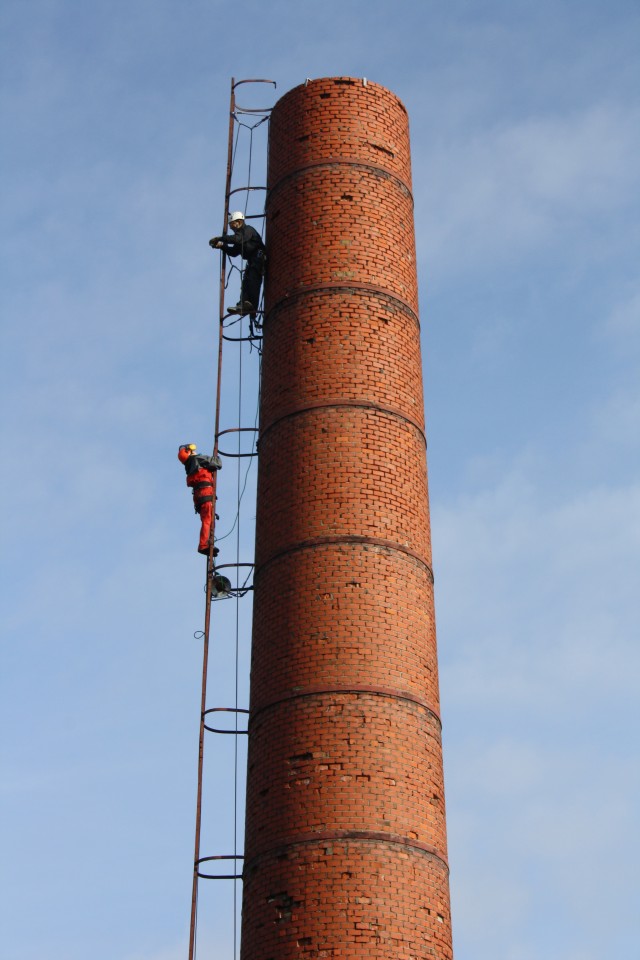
column 236, row 215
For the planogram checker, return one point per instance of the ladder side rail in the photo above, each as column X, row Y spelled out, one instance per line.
column 209, row 583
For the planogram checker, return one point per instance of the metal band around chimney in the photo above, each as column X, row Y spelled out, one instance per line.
column 329, row 404
column 338, row 163
column 344, row 287
column 312, row 542
column 348, row 836
column 321, row 690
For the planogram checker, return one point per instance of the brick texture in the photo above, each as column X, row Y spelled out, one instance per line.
column 345, row 848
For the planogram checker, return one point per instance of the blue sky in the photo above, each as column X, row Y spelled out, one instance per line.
column 525, row 140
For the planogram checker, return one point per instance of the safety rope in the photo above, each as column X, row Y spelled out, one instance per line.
column 237, row 668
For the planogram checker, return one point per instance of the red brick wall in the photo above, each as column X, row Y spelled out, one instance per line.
column 345, row 851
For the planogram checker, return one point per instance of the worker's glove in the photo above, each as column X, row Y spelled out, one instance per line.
column 215, row 242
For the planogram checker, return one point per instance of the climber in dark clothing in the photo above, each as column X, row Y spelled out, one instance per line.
column 200, row 470
column 247, row 243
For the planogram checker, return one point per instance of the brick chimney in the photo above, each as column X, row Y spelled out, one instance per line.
column 345, row 852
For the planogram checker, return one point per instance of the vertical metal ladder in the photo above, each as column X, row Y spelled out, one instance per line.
column 231, row 579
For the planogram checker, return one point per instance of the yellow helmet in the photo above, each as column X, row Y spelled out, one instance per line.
column 185, row 451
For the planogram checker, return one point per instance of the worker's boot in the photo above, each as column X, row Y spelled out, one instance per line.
column 242, row 307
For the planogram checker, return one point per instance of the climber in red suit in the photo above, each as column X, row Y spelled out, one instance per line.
column 199, row 470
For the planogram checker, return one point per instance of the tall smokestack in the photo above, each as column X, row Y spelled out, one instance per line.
column 345, row 852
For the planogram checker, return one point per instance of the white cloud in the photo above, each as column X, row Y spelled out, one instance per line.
column 618, row 419
column 538, row 606
column 512, row 188
column 539, row 596
column 540, row 846
column 622, row 326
